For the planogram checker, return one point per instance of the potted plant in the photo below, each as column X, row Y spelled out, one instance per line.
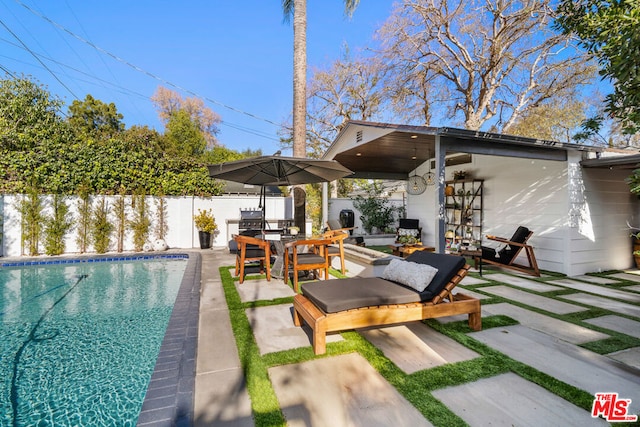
column 293, row 230
column 206, row 225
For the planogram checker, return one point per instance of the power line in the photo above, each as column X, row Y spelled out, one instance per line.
column 143, row 71
column 38, row 59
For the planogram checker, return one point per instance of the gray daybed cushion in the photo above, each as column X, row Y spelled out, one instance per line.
column 344, row 294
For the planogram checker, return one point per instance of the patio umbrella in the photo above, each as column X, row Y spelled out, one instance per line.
column 278, row 170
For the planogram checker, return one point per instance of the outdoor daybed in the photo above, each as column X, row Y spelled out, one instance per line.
column 343, row 304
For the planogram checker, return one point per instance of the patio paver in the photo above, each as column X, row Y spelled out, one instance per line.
column 522, row 282
column 598, row 290
column 566, row 331
column 596, row 279
column 274, row 330
column 510, row 400
column 632, row 277
column 262, row 289
column 415, row 346
column 340, row 391
column 606, row 303
column 618, row 324
column 548, row 304
column 634, row 288
column 630, row 356
column 470, row 280
column 569, row 363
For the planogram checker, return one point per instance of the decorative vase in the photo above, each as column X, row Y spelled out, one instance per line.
column 205, row 239
column 448, row 190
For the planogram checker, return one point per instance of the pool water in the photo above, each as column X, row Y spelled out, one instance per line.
column 79, row 342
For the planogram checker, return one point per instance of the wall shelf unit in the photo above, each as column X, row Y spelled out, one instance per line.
column 464, row 212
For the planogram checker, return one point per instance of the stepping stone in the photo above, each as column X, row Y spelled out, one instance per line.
column 274, row 330
column 262, row 289
column 340, row 391
column 596, row 279
column 548, row 304
column 558, row 328
column 415, row 346
column 571, row 364
column 605, row 303
column 510, row 400
column 470, row 280
column 630, row 356
column 521, row 282
column 634, row 288
column 627, row 276
column 598, row 290
column 618, row 324
column 470, row 293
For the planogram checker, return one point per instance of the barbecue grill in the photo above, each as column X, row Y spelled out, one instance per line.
column 250, row 219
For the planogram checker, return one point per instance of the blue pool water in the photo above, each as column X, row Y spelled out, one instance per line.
column 79, row 342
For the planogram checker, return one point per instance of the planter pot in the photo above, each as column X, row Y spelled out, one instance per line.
column 205, row 239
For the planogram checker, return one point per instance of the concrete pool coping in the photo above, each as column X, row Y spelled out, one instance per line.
column 170, row 394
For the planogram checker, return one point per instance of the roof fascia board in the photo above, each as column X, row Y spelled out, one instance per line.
column 506, row 150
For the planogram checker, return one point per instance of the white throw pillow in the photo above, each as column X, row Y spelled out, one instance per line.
column 411, row 274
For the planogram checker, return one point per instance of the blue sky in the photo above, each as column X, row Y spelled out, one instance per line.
column 235, row 53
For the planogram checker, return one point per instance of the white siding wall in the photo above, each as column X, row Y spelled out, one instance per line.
column 578, row 216
column 180, row 211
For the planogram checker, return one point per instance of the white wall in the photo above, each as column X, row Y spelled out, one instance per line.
column 181, row 232
column 578, row 216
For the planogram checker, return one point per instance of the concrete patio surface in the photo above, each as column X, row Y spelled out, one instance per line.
column 346, row 390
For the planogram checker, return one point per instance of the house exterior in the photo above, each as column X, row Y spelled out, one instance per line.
column 577, row 207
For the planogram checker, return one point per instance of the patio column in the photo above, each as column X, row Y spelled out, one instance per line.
column 325, row 204
column 440, row 199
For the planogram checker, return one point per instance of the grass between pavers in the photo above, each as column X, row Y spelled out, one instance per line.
column 416, row 387
column 616, row 342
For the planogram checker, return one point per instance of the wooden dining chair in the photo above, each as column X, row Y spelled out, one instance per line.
column 336, row 249
column 251, row 249
column 316, row 258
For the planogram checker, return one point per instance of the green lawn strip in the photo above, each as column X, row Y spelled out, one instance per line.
column 264, row 403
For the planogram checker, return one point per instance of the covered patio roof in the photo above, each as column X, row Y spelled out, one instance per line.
column 391, row 151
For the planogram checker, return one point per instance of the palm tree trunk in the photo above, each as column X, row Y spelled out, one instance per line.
column 299, row 102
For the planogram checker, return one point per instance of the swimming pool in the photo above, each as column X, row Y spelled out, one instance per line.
column 79, row 341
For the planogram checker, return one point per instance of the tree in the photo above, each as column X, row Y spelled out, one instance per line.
column 299, row 10
column 93, row 117
column 351, row 89
column 183, row 136
column 554, row 121
column 608, row 30
column 28, row 114
column 169, row 103
column 494, row 60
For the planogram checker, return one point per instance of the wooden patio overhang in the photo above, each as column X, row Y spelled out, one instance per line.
column 386, row 151
column 391, row 151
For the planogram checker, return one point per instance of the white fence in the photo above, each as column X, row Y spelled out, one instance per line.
column 181, row 232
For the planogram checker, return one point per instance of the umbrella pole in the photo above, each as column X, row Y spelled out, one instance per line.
column 263, row 202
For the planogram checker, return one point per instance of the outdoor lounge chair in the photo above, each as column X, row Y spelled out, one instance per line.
column 505, row 255
column 343, row 304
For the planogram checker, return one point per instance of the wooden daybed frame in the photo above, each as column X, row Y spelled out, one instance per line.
column 444, row 304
